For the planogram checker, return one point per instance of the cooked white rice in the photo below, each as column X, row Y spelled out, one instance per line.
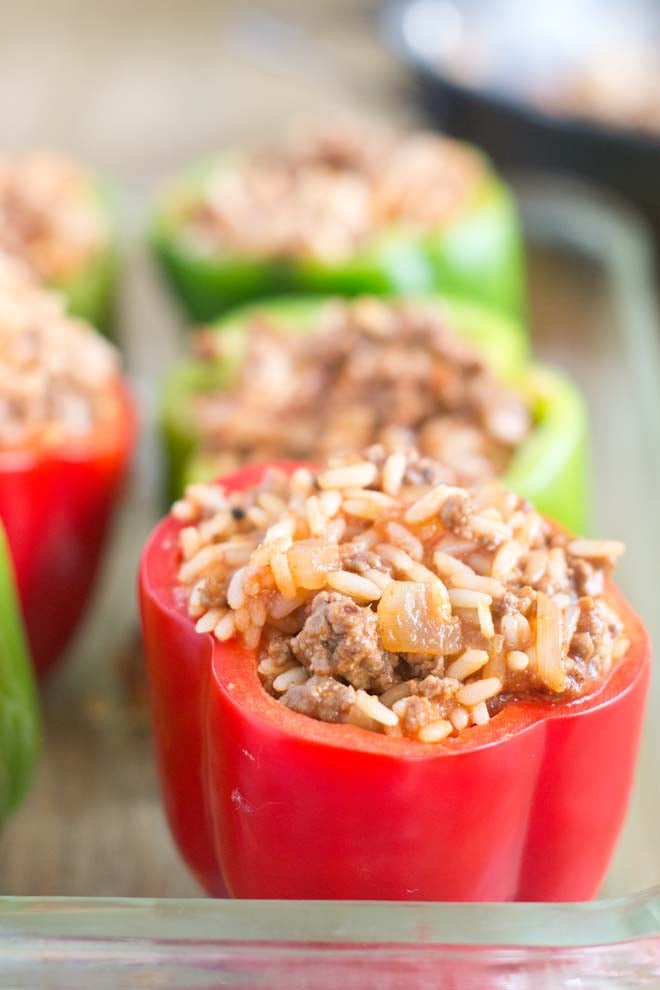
column 420, row 618
column 56, row 372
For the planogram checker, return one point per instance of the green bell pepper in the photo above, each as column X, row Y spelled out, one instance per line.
column 549, row 467
column 19, row 721
column 477, row 256
column 90, row 293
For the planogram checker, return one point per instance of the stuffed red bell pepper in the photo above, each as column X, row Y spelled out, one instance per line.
column 56, row 218
column 67, row 429
column 343, row 209
column 367, row 683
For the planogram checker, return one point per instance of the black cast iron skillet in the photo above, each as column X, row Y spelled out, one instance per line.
column 506, row 51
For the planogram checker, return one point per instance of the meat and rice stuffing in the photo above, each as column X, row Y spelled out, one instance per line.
column 391, row 372
column 57, row 375
column 374, row 593
column 324, row 193
column 50, row 214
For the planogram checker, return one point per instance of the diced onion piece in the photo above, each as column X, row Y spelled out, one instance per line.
column 412, row 618
column 548, row 643
column 310, row 561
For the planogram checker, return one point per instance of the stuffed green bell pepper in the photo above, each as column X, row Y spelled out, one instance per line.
column 342, row 211
column 19, row 721
column 304, row 378
column 56, row 218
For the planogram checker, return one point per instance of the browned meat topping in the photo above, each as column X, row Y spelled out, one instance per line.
column 325, row 193
column 408, row 609
column 389, row 372
column 323, row 698
column 340, row 639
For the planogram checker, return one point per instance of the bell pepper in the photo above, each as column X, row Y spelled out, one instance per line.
column 56, row 505
column 478, row 256
column 19, row 720
column 89, row 293
column 267, row 803
column 549, row 468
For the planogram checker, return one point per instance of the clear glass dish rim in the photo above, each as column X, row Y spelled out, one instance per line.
column 31, row 921
column 101, row 928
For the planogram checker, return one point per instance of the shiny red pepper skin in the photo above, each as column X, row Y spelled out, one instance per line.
column 56, row 507
column 267, row 803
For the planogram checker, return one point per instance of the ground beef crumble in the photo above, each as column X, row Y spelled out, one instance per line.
column 324, row 193
column 341, row 639
column 322, row 698
column 411, row 381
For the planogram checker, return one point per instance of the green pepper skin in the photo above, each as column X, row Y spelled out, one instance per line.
column 482, row 257
column 19, row 721
column 90, row 293
column 478, row 256
column 549, row 468
column 184, row 464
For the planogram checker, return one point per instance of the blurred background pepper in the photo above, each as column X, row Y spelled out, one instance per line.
column 548, row 466
column 57, row 219
column 473, row 249
column 57, row 507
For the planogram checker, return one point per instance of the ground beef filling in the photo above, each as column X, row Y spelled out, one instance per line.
column 340, row 639
column 57, row 375
column 376, row 595
column 389, row 372
column 323, row 195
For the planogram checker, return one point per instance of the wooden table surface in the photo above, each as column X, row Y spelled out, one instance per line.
column 139, row 89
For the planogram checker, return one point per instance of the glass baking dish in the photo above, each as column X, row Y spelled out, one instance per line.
column 92, row 828
column 120, row 945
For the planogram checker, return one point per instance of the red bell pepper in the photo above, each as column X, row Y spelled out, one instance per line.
column 267, row 803
column 56, row 505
